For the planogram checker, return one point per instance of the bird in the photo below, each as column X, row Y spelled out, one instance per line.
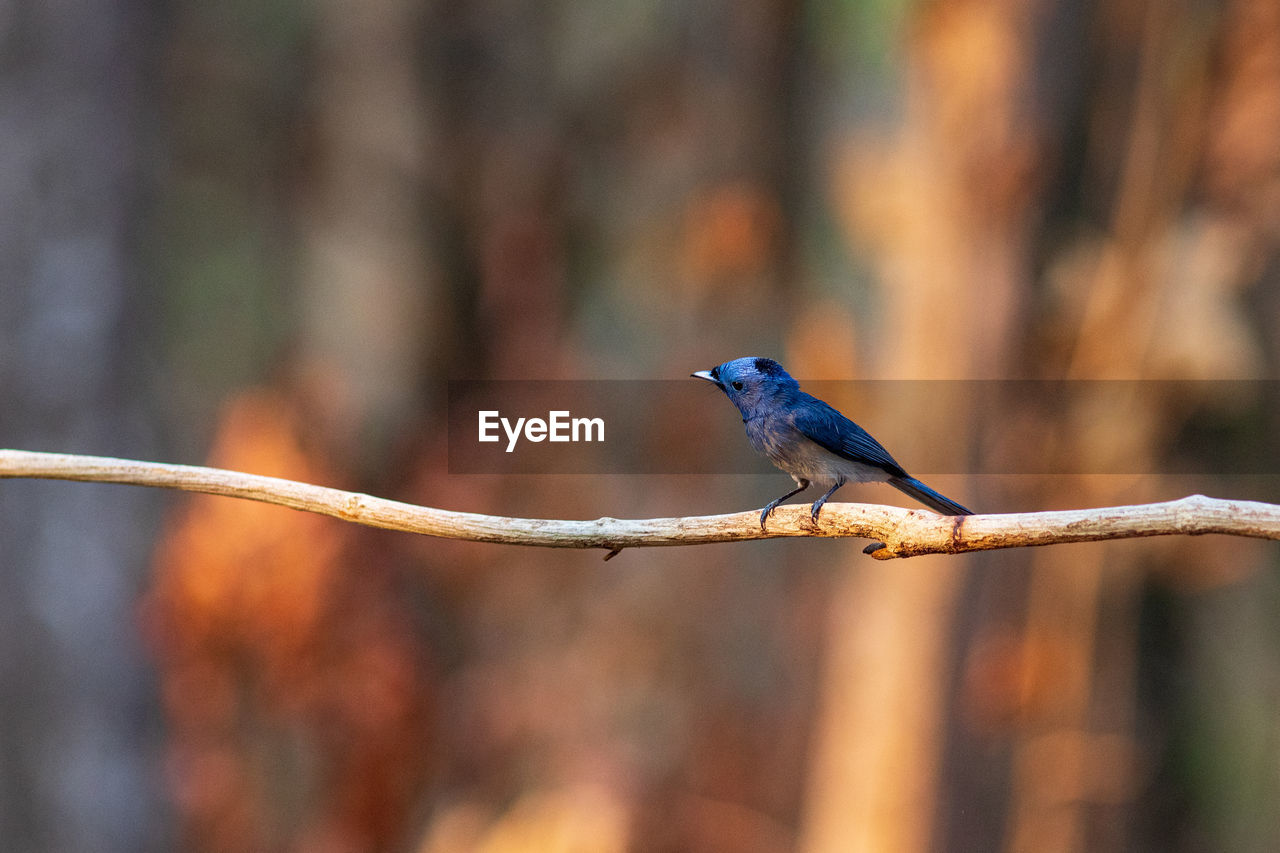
column 809, row 439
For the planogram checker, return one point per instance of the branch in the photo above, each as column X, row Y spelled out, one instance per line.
column 897, row 532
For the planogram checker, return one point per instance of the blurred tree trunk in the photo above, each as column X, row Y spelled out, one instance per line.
column 369, row 291
column 74, row 723
column 943, row 203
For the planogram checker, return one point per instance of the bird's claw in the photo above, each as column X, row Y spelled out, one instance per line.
column 816, row 509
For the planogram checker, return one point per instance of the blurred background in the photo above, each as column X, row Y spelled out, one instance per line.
column 265, row 235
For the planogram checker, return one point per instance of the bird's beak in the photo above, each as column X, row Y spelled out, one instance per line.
column 706, row 374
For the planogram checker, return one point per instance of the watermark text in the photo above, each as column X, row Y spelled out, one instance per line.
column 559, row 425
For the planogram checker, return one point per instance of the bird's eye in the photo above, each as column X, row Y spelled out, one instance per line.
column 737, row 386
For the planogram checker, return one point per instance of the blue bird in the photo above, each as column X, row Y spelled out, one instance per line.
column 810, row 440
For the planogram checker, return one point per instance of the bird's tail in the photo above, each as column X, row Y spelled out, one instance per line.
column 927, row 496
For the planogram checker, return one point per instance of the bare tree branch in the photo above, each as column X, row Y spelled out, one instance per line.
column 896, row 532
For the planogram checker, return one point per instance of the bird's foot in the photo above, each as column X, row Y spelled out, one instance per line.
column 815, row 509
column 764, row 514
column 818, row 504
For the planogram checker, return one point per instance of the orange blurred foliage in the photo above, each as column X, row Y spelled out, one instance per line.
column 272, row 643
column 730, row 233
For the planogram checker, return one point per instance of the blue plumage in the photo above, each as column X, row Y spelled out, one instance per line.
column 823, row 424
column 809, row 439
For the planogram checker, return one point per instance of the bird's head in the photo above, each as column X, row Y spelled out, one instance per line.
column 750, row 382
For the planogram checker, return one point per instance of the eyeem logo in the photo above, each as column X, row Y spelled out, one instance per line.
column 559, row 426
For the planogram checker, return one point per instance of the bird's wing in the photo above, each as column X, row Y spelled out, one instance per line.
column 827, row 427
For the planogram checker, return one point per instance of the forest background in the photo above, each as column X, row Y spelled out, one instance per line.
column 267, row 235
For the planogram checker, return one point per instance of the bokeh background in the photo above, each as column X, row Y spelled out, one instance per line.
column 265, row 235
